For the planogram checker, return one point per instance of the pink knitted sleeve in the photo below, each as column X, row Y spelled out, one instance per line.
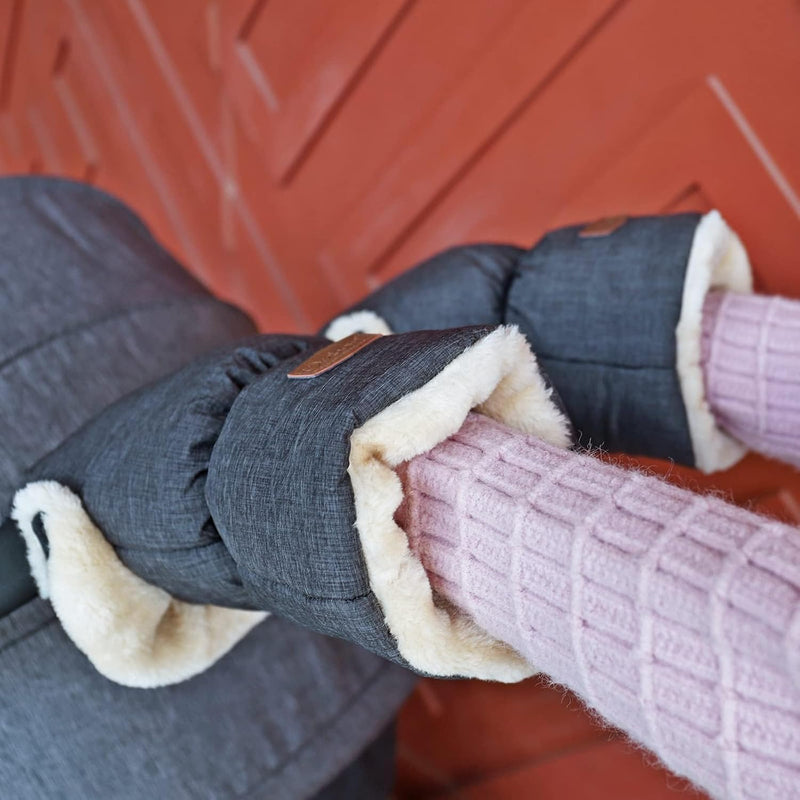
column 676, row 616
column 751, row 366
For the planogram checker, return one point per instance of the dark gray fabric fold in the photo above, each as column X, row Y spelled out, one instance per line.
column 279, row 717
column 461, row 286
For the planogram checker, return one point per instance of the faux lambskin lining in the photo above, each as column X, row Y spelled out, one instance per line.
column 134, row 633
column 499, row 377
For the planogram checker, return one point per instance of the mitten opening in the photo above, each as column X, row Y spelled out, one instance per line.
column 497, row 376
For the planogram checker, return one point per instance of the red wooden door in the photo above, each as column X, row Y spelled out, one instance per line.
column 297, row 153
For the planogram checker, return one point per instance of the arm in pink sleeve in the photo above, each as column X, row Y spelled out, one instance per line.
column 751, row 367
column 674, row 615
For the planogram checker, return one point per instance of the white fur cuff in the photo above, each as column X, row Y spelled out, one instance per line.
column 717, row 260
column 356, row 322
column 499, row 377
column 134, row 633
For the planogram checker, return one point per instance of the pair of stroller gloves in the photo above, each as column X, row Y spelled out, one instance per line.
column 422, row 492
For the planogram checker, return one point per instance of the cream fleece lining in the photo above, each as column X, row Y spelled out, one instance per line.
column 499, row 377
column 134, row 633
column 717, row 260
column 356, row 322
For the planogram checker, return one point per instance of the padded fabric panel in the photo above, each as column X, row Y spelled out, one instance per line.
column 278, row 717
column 91, row 307
column 601, row 314
column 279, row 491
column 460, row 286
column 141, row 465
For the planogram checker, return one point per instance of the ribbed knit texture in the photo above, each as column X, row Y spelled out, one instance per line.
column 751, row 364
column 674, row 615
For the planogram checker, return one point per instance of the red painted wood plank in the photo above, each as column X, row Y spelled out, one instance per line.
column 11, row 16
column 11, row 144
column 184, row 41
column 511, row 66
column 25, row 82
column 414, row 73
column 118, row 106
column 176, row 153
column 781, row 504
column 611, row 771
column 695, row 145
column 619, row 85
column 518, row 725
column 294, row 60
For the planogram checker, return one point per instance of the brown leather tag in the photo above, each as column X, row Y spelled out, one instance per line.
column 333, row 355
column 602, row 227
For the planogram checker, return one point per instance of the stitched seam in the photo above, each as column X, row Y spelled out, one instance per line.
column 136, row 548
column 316, row 598
column 329, row 723
column 29, row 633
column 119, row 314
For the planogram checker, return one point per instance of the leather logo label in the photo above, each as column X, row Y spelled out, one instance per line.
column 334, row 354
column 602, row 227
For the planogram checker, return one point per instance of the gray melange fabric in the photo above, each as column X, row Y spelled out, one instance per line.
column 464, row 285
column 279, row 492
column 587, row 307
column 91, row 308
column 372, row 775
column 601, row 315
column 227, row 482
column 140, row 468
column 277, row 718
